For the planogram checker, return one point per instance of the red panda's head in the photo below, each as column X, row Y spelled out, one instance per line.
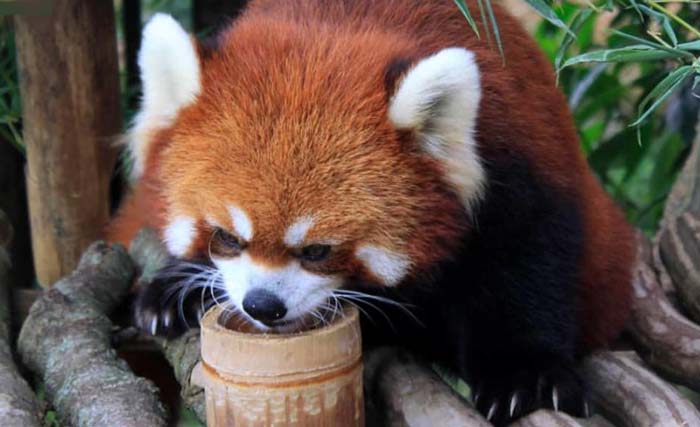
column 304, row 159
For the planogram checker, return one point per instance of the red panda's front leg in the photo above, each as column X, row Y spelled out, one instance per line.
column 177, row 298
column 504, row 315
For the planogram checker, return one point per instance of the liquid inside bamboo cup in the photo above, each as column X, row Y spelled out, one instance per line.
column 310, row 378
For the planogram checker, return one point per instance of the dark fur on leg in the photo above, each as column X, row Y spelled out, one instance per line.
column 503, row 316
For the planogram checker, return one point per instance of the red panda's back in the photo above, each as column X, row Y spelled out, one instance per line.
column 521, row 111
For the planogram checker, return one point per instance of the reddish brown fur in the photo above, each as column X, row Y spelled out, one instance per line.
column 292, row 121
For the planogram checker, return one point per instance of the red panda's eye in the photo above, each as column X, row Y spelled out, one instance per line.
column 315, row 253
column 224, row 243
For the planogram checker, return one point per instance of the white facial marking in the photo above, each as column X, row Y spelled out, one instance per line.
column 439, row 100
column 170, row 76
column 241, row 223
column 300, row 290
column 296, row 233
column 389, row 267
column 179, row 234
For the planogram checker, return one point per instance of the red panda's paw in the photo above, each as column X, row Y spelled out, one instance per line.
column 504, row 398
column 164, row 308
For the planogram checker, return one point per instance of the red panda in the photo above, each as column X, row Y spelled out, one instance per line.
column 321, row 150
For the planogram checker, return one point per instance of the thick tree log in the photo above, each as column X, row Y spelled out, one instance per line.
column 183, row 354
column 679, row 249
column 69, row 83
column 685, row 194
column 630, row 395
column 18, row 406
column 66, row 340
column 407, row 394
column 665, row 339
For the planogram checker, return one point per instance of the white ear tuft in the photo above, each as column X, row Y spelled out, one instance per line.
column 439, row 100
column 170, row 78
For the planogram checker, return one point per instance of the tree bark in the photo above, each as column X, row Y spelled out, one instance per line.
column 665, row 339
column 184, row 356
column 685, row 194
column 630, row 395
column 70, row 103
column 400, row 392
column 18, row 406
column 66, row 340
column 679, row 249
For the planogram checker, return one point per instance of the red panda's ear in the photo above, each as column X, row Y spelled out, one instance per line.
column 170, row 79
column 438, row 100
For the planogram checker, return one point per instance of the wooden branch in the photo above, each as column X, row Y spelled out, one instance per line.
column 665, row 339
column 679, row 248
column 69, row 82
column 183, row 354
column 404, row 393
column 18, row 406
column 685, row 194
column 66, row 340
column 630, row 395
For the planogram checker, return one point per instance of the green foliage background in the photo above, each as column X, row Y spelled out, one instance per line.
column 637, row 160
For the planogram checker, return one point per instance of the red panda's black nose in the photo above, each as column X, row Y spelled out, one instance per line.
column 264, row 306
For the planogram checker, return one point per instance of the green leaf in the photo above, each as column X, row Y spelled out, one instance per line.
column 654, row 45
column 634, row 53
column 484, row 22
column 569, row 37
column 665, row 22
column 467, row 15
column 662, row 91
column 694, row 45
column 548, row 13
column 494, row 27
column 667, row 163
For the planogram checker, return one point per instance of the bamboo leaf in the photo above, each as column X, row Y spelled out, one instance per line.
column 665, row 23
column 485, row 23
column 467, row 15
column 694, row 45
column 662, row 91
column 634, row 53
column 548, row 13
column 569, row 37
column 494, row 27
column 654, row 45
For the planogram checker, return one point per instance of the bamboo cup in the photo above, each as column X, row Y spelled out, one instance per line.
column 311, row 378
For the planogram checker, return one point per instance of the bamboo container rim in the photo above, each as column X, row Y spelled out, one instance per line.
column 246, row 357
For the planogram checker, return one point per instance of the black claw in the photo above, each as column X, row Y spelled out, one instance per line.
column 157, row 309
column 503, row 398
